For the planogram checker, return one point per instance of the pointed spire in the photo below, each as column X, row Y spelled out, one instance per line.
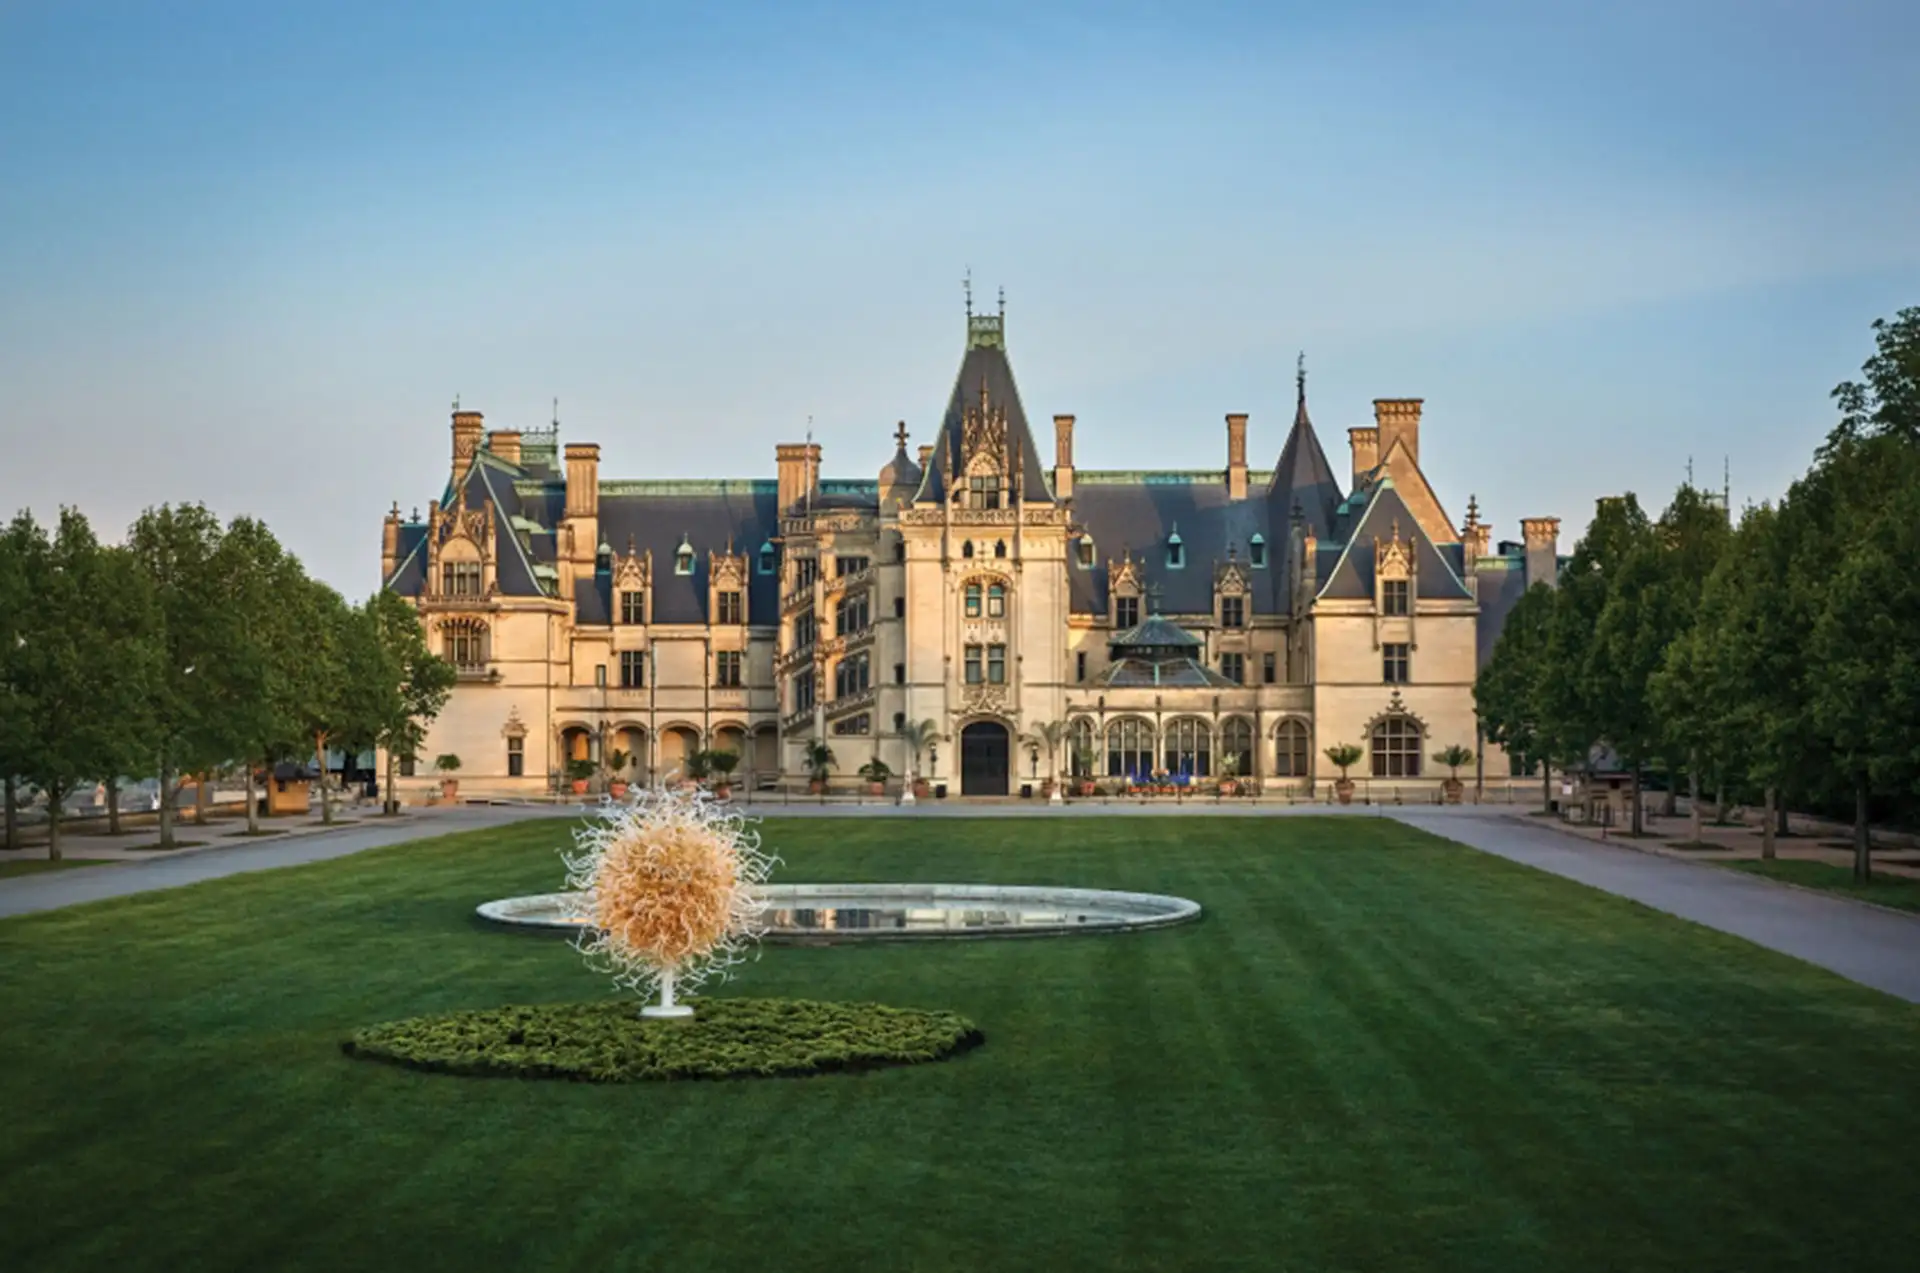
column 1300, row 390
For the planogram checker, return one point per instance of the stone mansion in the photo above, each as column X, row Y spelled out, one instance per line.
column 1193, row 621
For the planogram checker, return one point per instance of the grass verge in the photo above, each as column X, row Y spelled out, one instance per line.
column 1898, row 891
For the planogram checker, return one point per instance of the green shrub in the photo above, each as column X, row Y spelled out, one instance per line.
column 609, row 1042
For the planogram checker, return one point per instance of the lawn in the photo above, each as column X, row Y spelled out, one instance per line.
column 1899, row 891
column 1377, row 1051
column 10, row 866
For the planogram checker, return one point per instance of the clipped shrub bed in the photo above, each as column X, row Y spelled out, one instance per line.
column 609, row 1042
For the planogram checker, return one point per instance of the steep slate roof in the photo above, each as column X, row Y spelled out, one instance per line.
column 1352, row 576
column 1303, row 477
column 985, row 364
column 1136, row 512
column 739, row 513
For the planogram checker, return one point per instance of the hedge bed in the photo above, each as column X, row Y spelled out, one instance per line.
column 609, row 1042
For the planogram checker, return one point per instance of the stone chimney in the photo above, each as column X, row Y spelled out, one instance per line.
column 926, row 456
column 1063, row 457
column 467, row 428
column 390, row 545
column 1237, row 456
column 1398, row 419
column 1542, row 538
column 1366, row 450
column 797, row 465
column 583, row 480
column 505, row 443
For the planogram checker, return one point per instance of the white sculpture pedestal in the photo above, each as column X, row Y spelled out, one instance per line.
column 667, row 1007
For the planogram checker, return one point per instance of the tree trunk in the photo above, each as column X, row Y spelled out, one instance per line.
column 1668, row 806
column 1693, row 799
column 1546, row 786
column 391, row 805
column 166, row 805
column 1862, row 843
column 53, row 823
column 13, row 813
column 1720, row 801
column 253, row 806
column 320, row 760
column 1771, row 797
column 201, row 799
column 113, row 806
column 1780, row 826
column 1638, row 825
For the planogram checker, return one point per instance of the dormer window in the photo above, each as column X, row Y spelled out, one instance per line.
column 1085, row 552
column 1393, row 596
column 683, row 557
column 1257, row 551
column 603, row 560
column 983, row 490
column 767, row 558
column 1176, row 551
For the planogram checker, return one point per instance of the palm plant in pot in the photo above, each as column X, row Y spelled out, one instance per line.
column 1453, row 757
column 1083, row 762
column 819, row 763
column 918, row 737
column 722, row 764
column 696, row 768
column 617, row 761
column 1229, row 769
column 448, row 765
column 580, row 773
column 1345, row 755
column 876, row 772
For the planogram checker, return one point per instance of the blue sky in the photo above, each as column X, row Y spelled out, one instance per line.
column 250, row 252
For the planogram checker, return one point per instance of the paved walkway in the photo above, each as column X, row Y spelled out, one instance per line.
column 1874, row 947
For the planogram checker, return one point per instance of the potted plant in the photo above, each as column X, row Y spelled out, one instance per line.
column 1453, row 757
column 919, row 738
column 448, row 765
column 616, row 765
column 579, row 773
column 1083, row 761
column 1345, row 755
column 1229, row 766
column 722, row 764
column 819, row 763
column 876, row 772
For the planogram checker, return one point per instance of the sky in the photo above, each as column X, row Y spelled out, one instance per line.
column 250, row 253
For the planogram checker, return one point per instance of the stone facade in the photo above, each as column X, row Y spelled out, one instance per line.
column 1043, row 619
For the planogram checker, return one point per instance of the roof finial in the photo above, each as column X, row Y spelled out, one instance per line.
column 556, row 413
column 967, row 282
column 456, row 402
column 1003, row 304
column 900, row 436
column 1473, row 512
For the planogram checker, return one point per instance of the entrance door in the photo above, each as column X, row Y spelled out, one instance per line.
column 983, row 759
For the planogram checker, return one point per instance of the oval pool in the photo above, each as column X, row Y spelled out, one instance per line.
column 879, row 912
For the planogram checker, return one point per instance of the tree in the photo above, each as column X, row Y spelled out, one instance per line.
column 259, row 583
column 918, row 737
column 87, row 659
column 318, row 680
column 1508, row 693
column 19, row 541
column 201, row 638
column 1865, row 701
column 1887, row 402
column 1049, row 734
column 425, row 681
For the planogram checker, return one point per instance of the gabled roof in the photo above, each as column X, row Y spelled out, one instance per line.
column 985, row 369
column 1387, row 513
column 1136, row 512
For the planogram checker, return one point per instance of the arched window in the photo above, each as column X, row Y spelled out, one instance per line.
column 1396, row 748
column 1257, row 549
column 973, row 601
column 766, row 557
column 966, row 549
column 1176, row 551
column 1236, row 744
column 996, row 602
column 683, row 557
column 1290, row 752
column 1130, row 749
column 1000, row 548
column 1188, row 747
column 1086, row 552
column 1080, row 753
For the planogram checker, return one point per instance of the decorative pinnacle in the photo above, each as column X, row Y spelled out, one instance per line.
column 900, row 436
column 1473, row 511
column 967, row 282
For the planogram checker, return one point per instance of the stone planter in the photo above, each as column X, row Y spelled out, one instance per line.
column 817, row 786
column 1343, row 790
column 617, row 789
column 920, row 788
column 723, row 791
column 579, row 786
column 1084, row 789
column 876, row 788
column 1451, row 790
column 449, row 788
column 1227, row 787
